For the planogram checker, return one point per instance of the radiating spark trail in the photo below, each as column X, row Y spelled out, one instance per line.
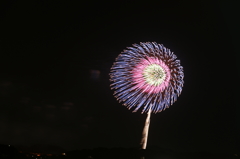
column 147, row 77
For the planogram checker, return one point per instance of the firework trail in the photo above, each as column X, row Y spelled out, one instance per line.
column 147, row 77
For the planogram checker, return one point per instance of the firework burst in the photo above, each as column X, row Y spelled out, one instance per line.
column 147, row 77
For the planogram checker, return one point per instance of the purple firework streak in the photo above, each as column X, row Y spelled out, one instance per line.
column 147, row 77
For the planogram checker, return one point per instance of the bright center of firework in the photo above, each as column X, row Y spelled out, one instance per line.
column 154, row 74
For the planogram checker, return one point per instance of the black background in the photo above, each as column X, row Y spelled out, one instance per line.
column 55, row 57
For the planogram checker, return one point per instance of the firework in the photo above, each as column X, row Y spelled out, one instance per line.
column 147, row 77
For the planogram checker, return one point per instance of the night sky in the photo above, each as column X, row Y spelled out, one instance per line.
column 55, row 60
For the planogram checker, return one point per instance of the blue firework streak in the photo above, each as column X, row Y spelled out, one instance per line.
column 147, row 75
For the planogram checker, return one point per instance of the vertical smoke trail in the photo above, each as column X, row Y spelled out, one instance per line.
column 147, row 77
column 145, row 131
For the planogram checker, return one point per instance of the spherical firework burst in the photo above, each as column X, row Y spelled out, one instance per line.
column 147, row 77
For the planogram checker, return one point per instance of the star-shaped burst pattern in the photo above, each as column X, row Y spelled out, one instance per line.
column 147, row 75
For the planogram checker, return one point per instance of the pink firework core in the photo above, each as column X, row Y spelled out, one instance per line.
column 155, row 85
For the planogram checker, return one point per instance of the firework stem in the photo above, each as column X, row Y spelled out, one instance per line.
column 145, row 130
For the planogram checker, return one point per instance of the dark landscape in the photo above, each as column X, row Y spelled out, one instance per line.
column 46, row 151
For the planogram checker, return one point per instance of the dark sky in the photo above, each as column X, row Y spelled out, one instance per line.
column 56, row 56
